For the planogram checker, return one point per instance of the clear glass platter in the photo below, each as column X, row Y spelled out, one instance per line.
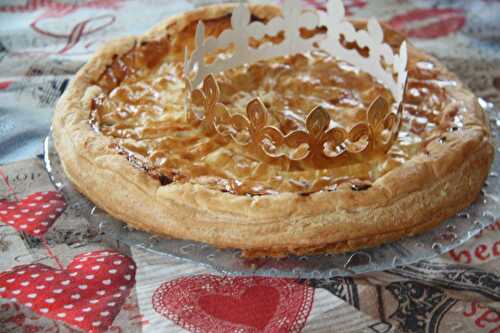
column 449, row 235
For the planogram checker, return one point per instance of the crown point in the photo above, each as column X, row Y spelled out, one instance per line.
column 318, row 121
column 403, row 53
column 336, row 9
column 240, row 17
column 200, row 33
column 377, row 110
column 257, row 113
column 290, row 6
column 375, row 30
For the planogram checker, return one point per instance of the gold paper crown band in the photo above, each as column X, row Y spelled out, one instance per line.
column 377, row 132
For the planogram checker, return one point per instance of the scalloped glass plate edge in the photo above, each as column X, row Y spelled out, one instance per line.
column 449, row 235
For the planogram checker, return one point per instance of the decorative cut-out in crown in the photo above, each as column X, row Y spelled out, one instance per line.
column 376, row 132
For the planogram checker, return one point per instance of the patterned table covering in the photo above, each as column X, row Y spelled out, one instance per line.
column 57, row 275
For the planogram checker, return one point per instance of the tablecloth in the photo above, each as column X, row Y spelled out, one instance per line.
column 57, row 276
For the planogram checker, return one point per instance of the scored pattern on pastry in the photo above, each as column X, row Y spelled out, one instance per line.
column 143, row 110
column 376, row 132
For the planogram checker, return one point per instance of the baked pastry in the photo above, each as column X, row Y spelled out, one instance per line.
column 125, row 141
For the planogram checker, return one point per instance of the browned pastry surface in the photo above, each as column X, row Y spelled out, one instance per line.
column 122, row 135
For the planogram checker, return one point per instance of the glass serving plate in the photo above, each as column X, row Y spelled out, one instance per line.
column 449, row 235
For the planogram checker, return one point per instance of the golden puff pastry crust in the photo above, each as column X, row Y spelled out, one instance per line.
column 116, row 130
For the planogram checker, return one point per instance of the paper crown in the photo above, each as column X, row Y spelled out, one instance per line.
column 318, row 140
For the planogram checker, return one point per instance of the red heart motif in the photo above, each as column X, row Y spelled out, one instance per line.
column 33, row 215
column 88, row 294
column 429, row 22
column 209, row 303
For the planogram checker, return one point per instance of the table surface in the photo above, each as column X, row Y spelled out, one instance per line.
column 42, row 45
